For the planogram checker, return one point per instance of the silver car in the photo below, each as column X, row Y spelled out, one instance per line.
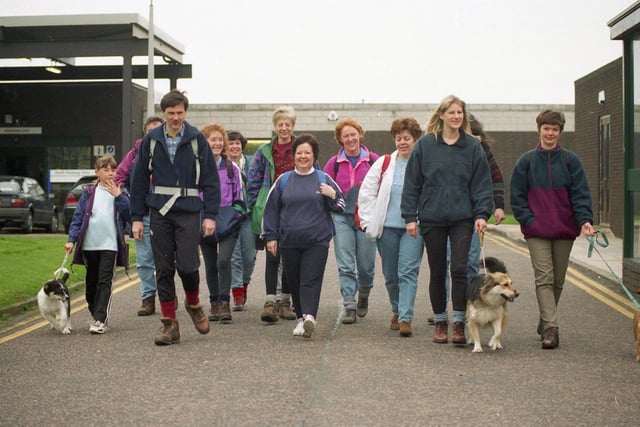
column 24, row 204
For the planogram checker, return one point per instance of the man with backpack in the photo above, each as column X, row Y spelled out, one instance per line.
column 144, row 256
column 180, row 160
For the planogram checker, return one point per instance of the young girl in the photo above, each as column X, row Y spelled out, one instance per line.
column 97, row 232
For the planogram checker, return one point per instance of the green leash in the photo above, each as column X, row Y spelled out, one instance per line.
column 603, row 243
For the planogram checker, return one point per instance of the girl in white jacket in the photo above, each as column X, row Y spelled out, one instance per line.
column 379, row 210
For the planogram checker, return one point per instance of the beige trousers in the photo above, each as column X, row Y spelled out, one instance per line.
column 550, row 260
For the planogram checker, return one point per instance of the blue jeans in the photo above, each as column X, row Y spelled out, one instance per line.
column 217, row 266
column 144, row 262
column 401, row 256
column 243, row 259
column 473, row 264
column 356, row 257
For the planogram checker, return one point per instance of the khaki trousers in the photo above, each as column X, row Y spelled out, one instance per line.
column 550, row 260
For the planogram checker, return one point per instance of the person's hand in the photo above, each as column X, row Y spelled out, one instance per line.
column 208, row 227
column 328, row 191
column 481, row 225
column 272, row 247
column 137, row 227
column 68, row 246
column 412, row 229
column 499, row 215
column 112, row 188
column 588, row 230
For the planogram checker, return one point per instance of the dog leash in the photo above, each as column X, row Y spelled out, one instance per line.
column 60, row 272
column 481, row 238
column 593, row 243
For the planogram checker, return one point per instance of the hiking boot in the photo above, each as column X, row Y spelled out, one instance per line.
column 245, row 285
column 238, row 299
column 225, row 312
column 405, row 329
column 270, row 312
column 285, row 312
column 440, row 335
column 394, row 323
column 551, row 338
column 169, row 332
column 214, row 313
column 363, row 305
column 458, row 334
column 349, row 316
column 148, row 306
column 198, row 317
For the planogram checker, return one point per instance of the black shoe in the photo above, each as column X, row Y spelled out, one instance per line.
column 349, row 316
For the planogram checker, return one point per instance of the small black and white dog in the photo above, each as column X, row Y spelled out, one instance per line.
column 55, row 304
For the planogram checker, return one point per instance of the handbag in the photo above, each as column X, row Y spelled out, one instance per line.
column 229, row 220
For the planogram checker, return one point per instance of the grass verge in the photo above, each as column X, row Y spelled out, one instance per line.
column 29, row 261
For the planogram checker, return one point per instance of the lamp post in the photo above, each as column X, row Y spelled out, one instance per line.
column 150, row 66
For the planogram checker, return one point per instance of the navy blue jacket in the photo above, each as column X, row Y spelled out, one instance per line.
column 180, row 173
column 447, row 184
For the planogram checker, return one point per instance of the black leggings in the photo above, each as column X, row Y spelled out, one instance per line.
column 435, row 241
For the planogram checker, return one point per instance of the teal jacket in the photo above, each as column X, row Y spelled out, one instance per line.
column 447, row 184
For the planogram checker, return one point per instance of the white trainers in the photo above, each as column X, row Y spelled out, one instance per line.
column 97, row 327
column 299, row 330
column 309, row 325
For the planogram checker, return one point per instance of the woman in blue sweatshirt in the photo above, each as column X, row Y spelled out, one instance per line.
column 297, row 222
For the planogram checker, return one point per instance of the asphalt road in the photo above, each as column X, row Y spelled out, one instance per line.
column 248, row 373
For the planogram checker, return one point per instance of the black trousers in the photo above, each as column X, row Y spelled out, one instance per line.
column 271, row 275
column 304, row 268
column 98, row 281
column 174, row 242
column 435, row 241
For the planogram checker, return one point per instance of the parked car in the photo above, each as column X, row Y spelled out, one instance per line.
column 71, row 201
column 24, row 204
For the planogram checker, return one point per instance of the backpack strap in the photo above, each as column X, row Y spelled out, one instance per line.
column 385, row 165
column 284, row 179
column 176, row 192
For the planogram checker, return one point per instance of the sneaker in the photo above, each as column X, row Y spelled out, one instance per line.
column 363, row 306
column 169, row 332
column 214, row 313
column 269, row 313
column 405, row 329
column 239, row 299
column 440, row 335
column 394, row 323
column 299, row 329
column 198, row 317
column 148, row 306
column 309, row 325
column 225, row 312
column 349, row 316
column 97, row 327
column 550, row 338
column 458, row 334
column 285, row 312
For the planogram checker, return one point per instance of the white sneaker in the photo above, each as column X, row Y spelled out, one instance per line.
column 309, row 325
column 97, row 327
column 299, row 330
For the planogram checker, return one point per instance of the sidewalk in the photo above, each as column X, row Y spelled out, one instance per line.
column 579, row 254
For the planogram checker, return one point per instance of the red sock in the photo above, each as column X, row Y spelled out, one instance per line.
column 192, row 297
column 168, row 309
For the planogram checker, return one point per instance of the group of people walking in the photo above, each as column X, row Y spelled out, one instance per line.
column 188, row 191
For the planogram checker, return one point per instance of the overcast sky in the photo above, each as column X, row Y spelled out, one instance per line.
column 415, row 51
